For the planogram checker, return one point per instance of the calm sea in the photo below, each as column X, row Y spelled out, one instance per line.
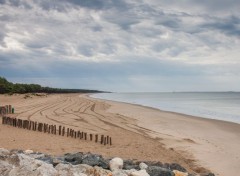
column 214, row 105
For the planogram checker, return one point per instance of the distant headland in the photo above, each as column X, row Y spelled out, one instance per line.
column 7, row 87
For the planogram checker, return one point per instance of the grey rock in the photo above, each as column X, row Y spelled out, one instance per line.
column 91, row 159
column 45, row 158
column 119, row 173
column 207, row 174
column 159, row 171
column 130, row 164
column 175, row 166
column 74, row 159
column 143, row 166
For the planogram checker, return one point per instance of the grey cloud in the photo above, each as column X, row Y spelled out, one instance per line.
column 230, row 26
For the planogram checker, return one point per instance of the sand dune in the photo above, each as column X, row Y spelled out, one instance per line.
column 138, row 132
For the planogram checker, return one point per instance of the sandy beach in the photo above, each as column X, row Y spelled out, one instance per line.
column 138, row 132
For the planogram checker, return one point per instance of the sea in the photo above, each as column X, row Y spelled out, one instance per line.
column 212, row 105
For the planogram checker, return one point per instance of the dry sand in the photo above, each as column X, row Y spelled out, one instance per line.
column 138, row 132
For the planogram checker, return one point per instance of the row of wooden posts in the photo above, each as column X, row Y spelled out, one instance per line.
column 56, row 130
column 7, row 109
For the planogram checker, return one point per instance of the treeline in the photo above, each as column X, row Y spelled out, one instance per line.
column 11, row 88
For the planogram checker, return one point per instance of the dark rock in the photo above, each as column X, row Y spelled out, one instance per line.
column 153, row 163
column 15, row 151
column 207, row 174
column 129, row 167
column 74, row 159
column 175, row 166
column 58, row 160
column 130, row 164
column 46, row 158
column 91, row 159
column 159, row 171
column 103, row 163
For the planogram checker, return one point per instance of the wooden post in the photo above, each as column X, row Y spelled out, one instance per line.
column 63, row 131
column 6, row 107
column 107, row 139
column 75, row 134
column 102, row 139
column 67, row 132
column 3, row 120
column 96, row 138
column 59, row 130
column 90, row 137
column 110, row 140
column 49, row 129
column 85, row 136
column 9, row 109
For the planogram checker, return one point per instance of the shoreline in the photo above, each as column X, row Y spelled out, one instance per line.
column 149, row 134
column 161, row 110
column 210, row 146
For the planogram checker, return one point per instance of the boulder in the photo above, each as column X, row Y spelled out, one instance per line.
column 179, row 173
column 116, row 164
column 30, row 166
column 118, row 172
column 159, row 171
column 72, row 170
column 91, row 159
column 139, row 173
column 4, row 152
column 175, row 166
column 74, row 159
column 5, row 168
column 143, row 166
column 98, row 171
column 28, row 152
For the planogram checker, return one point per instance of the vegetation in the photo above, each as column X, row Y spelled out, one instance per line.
column 11, row 88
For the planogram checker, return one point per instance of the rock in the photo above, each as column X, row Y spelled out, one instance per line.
column 75, row 158
column 179, row 173
column 74, row 170
column 129, row 164
column 103, row 163
column 207, row 174
column 98, row 171
column 31, row 166
column 143, row 166
column 91, row 159
column 119, row 173
column 5, row 168
column 4, row 152
column 159, row 171
column 139, row 173
column 28, row 151
column 175, row 166
column 116, row 164
column 56, row 161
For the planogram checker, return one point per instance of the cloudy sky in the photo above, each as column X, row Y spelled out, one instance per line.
column 127, row 45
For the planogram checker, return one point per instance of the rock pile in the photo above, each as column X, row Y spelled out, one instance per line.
column 21, row 163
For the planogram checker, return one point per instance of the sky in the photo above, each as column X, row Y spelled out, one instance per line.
column 122, row 46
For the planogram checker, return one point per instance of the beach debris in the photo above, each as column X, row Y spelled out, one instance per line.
column 116, row 164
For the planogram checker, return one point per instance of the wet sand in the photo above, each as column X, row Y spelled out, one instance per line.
column 138, row 132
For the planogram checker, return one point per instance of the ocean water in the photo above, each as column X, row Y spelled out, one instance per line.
column 213, row 105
